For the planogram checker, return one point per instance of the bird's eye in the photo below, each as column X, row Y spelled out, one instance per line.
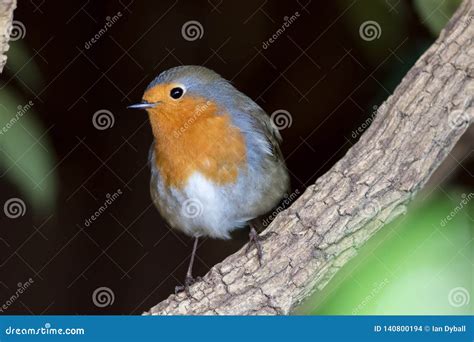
column 176, row 93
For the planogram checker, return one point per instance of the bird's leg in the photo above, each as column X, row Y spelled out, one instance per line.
column 254, row 239
column 189, row 280
column 189, row 273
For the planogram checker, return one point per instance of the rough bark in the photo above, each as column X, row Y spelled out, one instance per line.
column 6, row 17
column 413, row 132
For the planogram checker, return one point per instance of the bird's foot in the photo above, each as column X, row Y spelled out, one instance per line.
column 188, row 281
column 256, row 240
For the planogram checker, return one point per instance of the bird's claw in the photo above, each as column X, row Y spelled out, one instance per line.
column 255, row 239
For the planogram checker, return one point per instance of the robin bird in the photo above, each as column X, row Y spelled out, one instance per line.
column 216, row 165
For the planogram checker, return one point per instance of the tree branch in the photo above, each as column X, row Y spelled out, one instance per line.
column 6, row 17
column 413, row 132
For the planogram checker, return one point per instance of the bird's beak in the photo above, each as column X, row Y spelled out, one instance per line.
column 142, row 105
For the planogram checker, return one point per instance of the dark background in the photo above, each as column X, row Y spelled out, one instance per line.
column 319, row 70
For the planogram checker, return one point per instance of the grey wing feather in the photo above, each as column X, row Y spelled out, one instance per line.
column 264, row 123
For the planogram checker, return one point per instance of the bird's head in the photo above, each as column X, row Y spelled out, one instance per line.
column 182, row 95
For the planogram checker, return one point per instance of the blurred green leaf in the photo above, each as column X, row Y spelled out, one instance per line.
column 436, row 13
column 21, row 65
column 26, row 156
column 418, row 264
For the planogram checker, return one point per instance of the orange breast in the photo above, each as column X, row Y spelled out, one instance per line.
column 191, row 137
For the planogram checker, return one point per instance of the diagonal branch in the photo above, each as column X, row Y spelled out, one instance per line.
column 413, row 132
column 6, row 17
